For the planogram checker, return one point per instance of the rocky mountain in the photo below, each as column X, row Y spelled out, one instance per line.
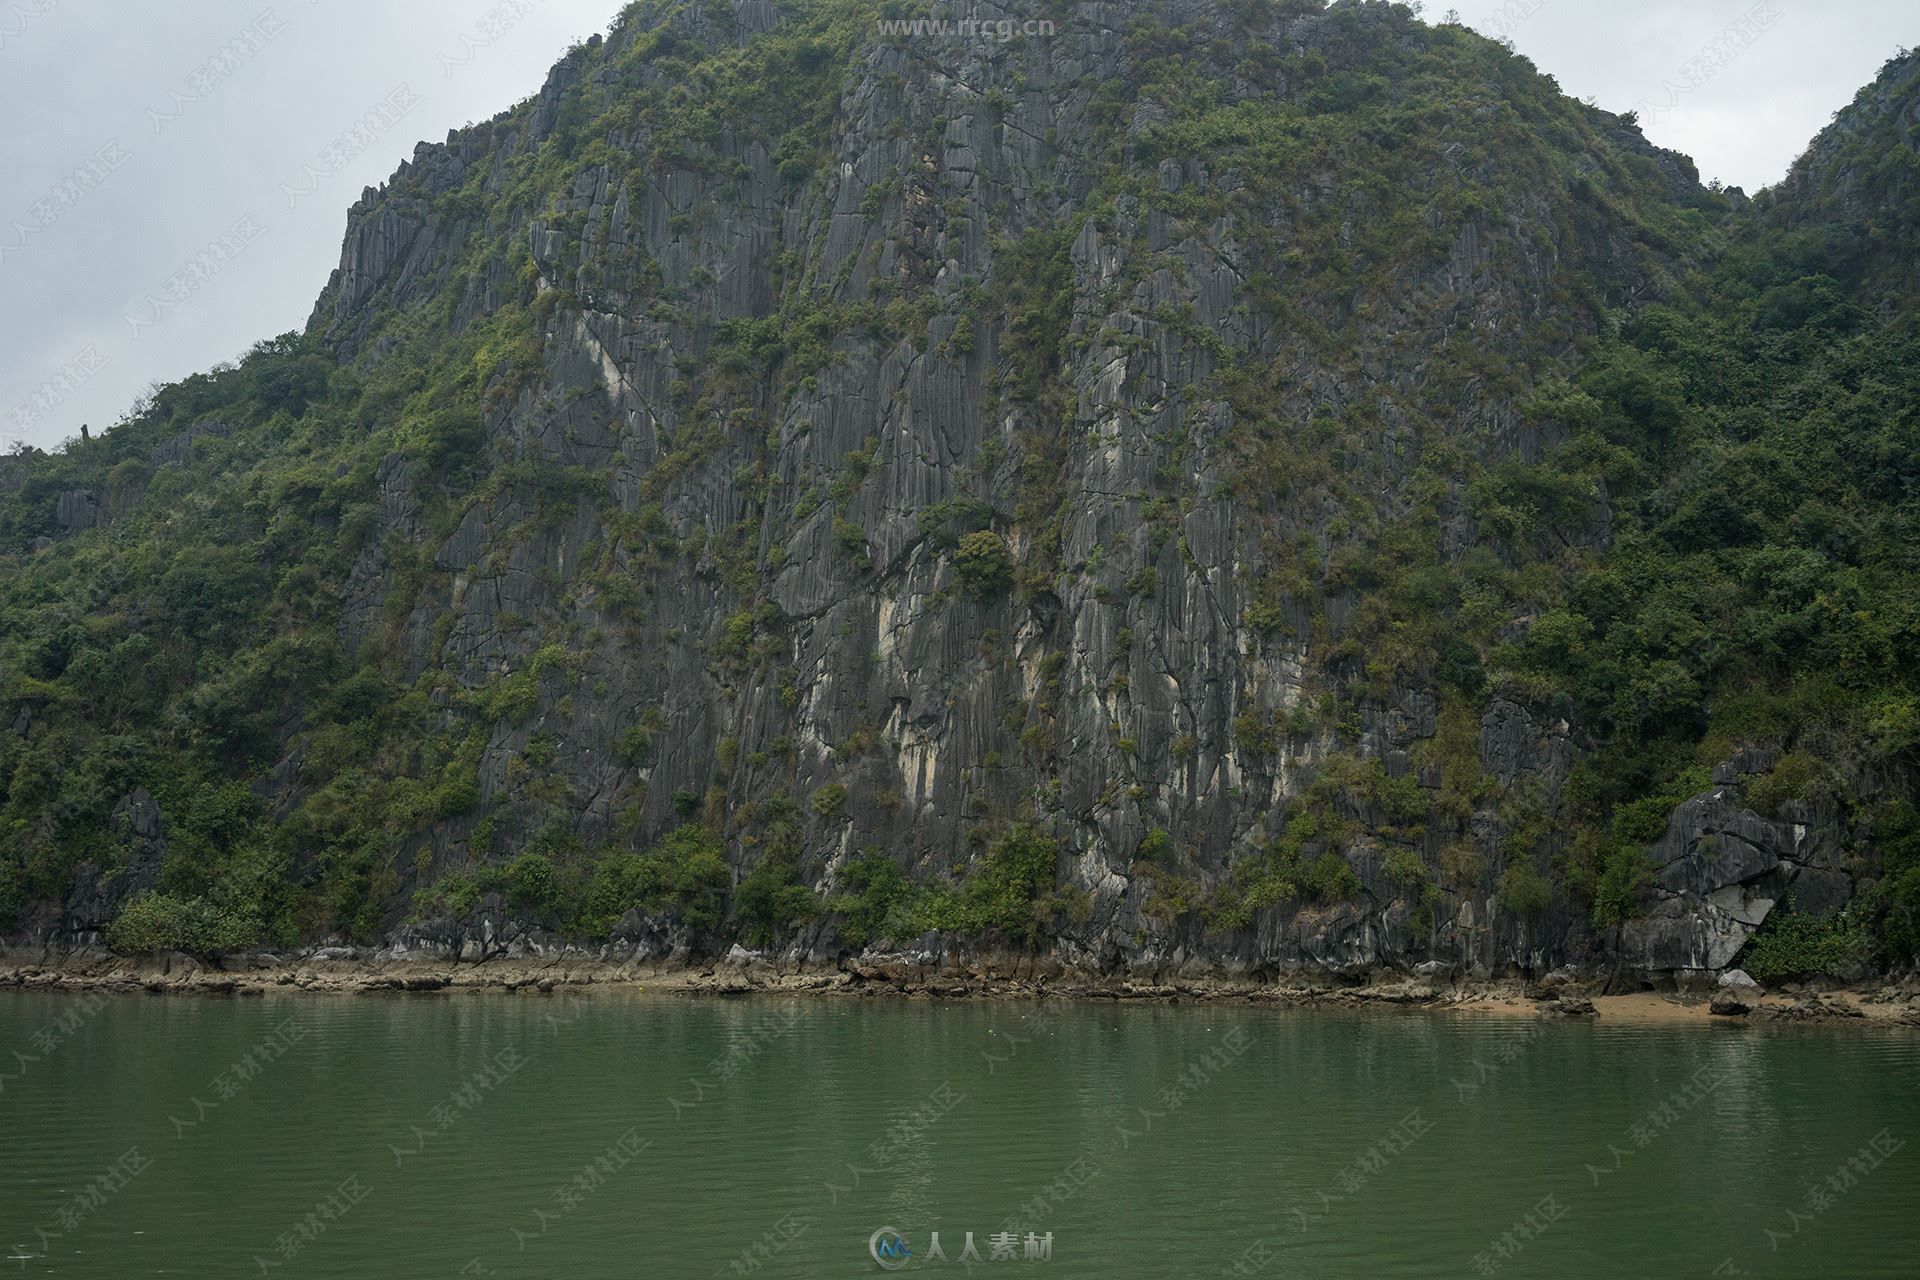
column 1227, row 485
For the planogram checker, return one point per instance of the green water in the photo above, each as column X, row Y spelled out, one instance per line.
column 632, row 1135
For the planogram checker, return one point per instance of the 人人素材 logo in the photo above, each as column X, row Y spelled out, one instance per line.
column 890, row 1249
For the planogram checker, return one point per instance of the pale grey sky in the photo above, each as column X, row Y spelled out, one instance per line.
column 233, row 193
column 1739, row 85
column 174, row 179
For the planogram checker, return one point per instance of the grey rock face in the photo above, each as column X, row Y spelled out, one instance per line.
column 179, row 449
column 759, row 572
column 98, row 893
column 76, row 509
column 1719, row 870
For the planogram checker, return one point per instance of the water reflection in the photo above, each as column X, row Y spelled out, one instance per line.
column 663, row 1136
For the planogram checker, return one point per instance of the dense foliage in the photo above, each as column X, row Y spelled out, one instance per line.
column 1756, row 437
column 1794, row 945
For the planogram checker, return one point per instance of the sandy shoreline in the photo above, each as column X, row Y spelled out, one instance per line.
column 1890, row 1004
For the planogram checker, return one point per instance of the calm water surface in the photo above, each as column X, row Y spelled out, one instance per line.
column 628, row 1134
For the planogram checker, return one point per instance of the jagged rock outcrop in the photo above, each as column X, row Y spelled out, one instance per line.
column 140, row 828
column 77, row 509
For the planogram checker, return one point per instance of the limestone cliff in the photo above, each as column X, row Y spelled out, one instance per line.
column 1131, row 442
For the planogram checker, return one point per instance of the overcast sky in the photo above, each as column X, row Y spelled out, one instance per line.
column 174, row 178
